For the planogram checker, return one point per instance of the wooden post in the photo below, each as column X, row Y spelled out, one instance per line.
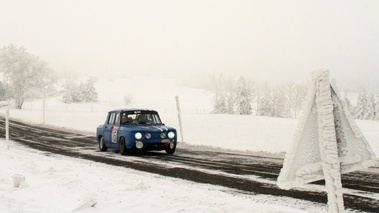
column 44, row 105
column 7, row 128
column 179, row 116
column 328, row 143
column 44, row 109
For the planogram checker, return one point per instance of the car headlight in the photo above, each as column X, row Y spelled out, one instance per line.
column 162, row 135
column 138, row 136
column 171, row 135
column 148, row 136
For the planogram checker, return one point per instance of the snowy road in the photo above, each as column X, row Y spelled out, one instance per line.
column 246, row 173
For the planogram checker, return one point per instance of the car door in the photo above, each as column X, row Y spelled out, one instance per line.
column 114, row 132
column 108, row 129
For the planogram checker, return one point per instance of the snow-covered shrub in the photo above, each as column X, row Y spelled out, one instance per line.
column 78, row 93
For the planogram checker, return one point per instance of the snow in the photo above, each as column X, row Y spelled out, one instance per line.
column 62, row 184
column 55, row 183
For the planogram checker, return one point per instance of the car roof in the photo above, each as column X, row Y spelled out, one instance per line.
column 132, row 110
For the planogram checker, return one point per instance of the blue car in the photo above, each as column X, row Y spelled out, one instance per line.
column 135, row 129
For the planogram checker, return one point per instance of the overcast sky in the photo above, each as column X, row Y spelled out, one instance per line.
column 260, row 39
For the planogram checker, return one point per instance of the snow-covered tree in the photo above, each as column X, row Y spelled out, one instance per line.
column 294, row 95
column 376, row 109
column 24, row 72
column 230, row 94
column 84, row 92
column 243, row 97
column 278, row 102
column 272, row 101
column 223, row 90
column 350, row 106
column 69, row 91
column 264, row 101
column 361, row 107
column 88, row 91
column 219, row 100
column 5, row 93
column 289, row 96
column 301, row 91
column 370, row 107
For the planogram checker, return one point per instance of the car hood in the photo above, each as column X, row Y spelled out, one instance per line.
column 150, row 128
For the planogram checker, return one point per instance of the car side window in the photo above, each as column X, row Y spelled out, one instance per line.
column 156, row 119
column 117, row 119
column 111, row 118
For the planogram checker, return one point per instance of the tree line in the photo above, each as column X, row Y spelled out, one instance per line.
column 26, row 76
column 243, row 96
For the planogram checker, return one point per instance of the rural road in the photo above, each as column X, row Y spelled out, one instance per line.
column 240, row 172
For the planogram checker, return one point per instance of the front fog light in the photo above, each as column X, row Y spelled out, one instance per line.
column 162, row 135
column 171, row 135
column 139, row 145
column 148, row 136
column 138, row 136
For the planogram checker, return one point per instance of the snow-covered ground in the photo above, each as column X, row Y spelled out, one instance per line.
column 60, row 184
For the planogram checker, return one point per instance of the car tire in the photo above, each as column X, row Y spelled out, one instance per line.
column 170, row 150
column 102, row 146
column 122, row 146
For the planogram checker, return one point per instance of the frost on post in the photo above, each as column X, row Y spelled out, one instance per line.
column 326, row 144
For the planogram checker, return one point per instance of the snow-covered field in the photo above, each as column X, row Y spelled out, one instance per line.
column 60, row 184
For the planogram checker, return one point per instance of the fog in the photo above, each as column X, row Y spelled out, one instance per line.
column 189, row 39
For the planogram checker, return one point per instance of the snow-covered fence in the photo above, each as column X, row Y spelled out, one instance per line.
column 326, row 144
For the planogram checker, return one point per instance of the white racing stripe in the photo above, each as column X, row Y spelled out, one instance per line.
column 158, row 128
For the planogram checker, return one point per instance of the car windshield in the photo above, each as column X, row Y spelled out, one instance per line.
column 140, row 117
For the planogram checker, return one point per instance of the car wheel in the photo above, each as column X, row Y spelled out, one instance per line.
column 171, row 149
column 122, row 147
column 102, row 146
